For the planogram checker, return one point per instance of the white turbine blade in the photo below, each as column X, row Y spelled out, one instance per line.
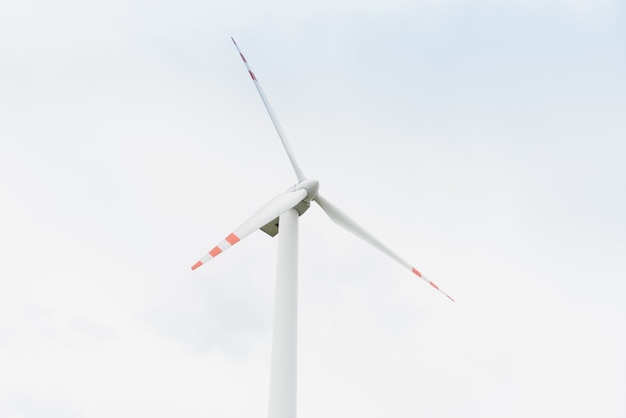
column 267, row 213
column 344, row 221
column 279, row 129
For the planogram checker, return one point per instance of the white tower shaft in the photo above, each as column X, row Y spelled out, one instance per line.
column 283, row 375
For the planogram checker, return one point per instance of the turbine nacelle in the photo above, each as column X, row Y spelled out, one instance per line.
column 311, row 186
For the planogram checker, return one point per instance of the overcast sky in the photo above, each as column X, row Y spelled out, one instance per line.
column 483, row 142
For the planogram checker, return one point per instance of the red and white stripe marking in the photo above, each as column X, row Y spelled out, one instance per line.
column 245, row 61
column 228, row 242
column 430, row 282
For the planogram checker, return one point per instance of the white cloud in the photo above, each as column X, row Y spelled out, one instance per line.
column 132, row 141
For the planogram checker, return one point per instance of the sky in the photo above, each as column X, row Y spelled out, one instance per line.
column 483, row 141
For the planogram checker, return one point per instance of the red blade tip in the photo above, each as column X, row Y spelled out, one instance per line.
column 195, row 266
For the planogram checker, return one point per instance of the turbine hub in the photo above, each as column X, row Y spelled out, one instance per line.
column 311, row 186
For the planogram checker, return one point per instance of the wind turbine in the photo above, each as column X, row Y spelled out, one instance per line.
column 281, row 214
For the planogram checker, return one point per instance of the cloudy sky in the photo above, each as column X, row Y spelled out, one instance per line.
column 484, row 142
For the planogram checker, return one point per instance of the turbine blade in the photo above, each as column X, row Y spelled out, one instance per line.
column 279, row 129
column 267, row 213
column 347, row 223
